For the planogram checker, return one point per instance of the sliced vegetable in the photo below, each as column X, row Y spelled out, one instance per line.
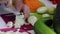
column 42, row 9
column 33, row 18
column 51, row 10
column 45, row 15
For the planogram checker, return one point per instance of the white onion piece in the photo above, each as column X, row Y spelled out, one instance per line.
column 32, row 20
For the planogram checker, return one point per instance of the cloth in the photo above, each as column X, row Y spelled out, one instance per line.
column 8, row 17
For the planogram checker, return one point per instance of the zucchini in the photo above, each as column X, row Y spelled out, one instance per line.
column 41, row 28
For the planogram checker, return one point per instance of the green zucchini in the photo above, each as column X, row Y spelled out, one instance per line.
column 41, row 28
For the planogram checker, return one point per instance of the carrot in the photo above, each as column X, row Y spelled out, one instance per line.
column 33, row 4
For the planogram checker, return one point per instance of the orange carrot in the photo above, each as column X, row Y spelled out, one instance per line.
column 33, row 4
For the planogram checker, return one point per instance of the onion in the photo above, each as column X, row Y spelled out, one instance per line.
column 32, row 19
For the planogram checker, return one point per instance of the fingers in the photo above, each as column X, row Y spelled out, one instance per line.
column 26, row 11
column 9, row 3
column 18, row 4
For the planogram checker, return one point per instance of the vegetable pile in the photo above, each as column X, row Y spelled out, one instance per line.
column 39, row 20
column 42, row 20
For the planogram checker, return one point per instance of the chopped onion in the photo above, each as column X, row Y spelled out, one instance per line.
column 32, row 19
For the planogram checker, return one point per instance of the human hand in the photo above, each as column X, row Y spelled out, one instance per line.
column 21, row 6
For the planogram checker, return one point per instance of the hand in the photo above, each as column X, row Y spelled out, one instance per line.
column 21, row 6
column 26, row 11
